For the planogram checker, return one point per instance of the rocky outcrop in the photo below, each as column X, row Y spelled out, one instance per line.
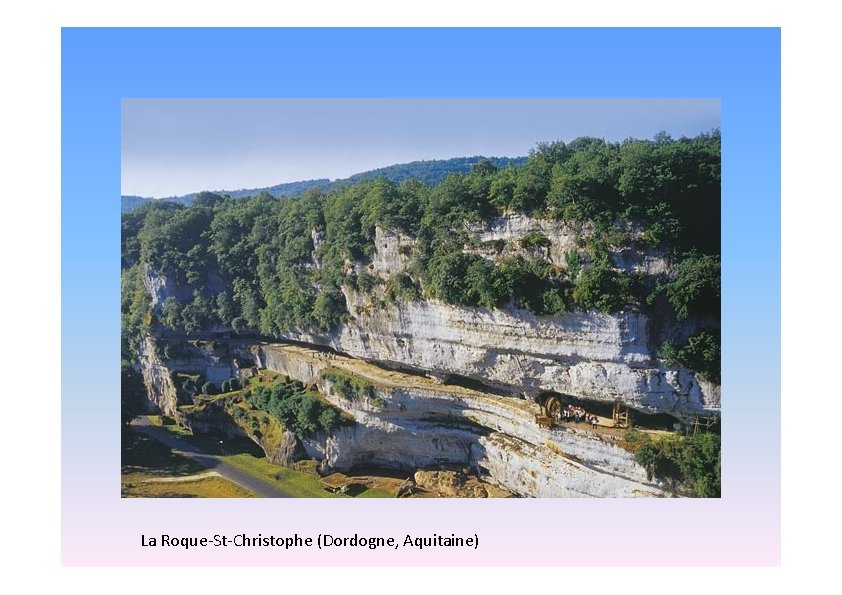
column 415, row 423
column 589, row 355
column 287, row 451
column 411, row 422
column 454, row 484
column 160, row 389
column 506, row 232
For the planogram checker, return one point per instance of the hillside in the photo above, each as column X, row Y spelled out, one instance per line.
column 587, row 275
column 430, row 172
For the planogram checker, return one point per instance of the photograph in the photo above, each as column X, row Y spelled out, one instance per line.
column 420, row 298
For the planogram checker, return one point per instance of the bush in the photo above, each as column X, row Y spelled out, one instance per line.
column 574, row 264
column 447, row 274
column 535, row 239
column 366, row 282
column 701, row 353
column 349, row 386
column 697, row 287
column 298, row 409
column 328, row 308
column 694, row 461
column 601, row 287
column 401, row 286
column 669, row 353
column 328, row 419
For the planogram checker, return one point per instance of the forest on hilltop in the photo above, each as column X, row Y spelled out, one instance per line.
column 270, row 276
column 430, row 172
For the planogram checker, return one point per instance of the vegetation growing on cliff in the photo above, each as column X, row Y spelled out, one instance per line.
column 279, row 265
column 135, row 312
column 352, row 386
column 692, row 462
column 296, row 407
column 701, row 353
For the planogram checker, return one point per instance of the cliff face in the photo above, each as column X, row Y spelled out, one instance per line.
column 564, row 240
column 415, row 423
column 160, row 389
column 588, row 355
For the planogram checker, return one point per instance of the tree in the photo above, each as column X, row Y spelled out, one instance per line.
column 226, row 309
column 132, row 392
column 171, row 313
column 328, row 308
column 601, row 287
column 696, row 288
column 447, row 274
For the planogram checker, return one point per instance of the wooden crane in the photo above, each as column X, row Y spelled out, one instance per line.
column 621, row 415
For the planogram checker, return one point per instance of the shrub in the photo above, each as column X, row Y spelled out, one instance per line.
column 328, row 419
column 697, row 286
column 328, row 309
column 701, row 353
column 694, row 461
column 669, row 353
column 535, row 239
column 574, row 263
column 601, row 287
column 366, row 282
column 348, row 385
column 401, row 286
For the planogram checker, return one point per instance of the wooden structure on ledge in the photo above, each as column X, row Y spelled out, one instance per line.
column 621, row 416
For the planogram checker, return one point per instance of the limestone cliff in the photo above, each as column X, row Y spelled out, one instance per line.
column 588, row 355
column 415, row 423
column 160, row 390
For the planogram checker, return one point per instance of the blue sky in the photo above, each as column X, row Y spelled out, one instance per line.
column 176, row 146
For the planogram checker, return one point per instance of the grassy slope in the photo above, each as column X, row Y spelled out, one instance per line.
column 301, row 484
column 145, row 459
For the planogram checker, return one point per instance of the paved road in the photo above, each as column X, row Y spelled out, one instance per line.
column 185, row 449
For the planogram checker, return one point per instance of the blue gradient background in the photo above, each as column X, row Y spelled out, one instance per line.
column 739, row 66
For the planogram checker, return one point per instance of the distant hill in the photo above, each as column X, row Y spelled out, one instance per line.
column 430, row 172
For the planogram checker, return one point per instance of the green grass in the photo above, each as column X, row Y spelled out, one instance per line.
column 145, row 460
column 208, row 487
column 147, row 456
column 247, row 457
column 295, row 483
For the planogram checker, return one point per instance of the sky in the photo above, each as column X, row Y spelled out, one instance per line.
column 172, row 147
